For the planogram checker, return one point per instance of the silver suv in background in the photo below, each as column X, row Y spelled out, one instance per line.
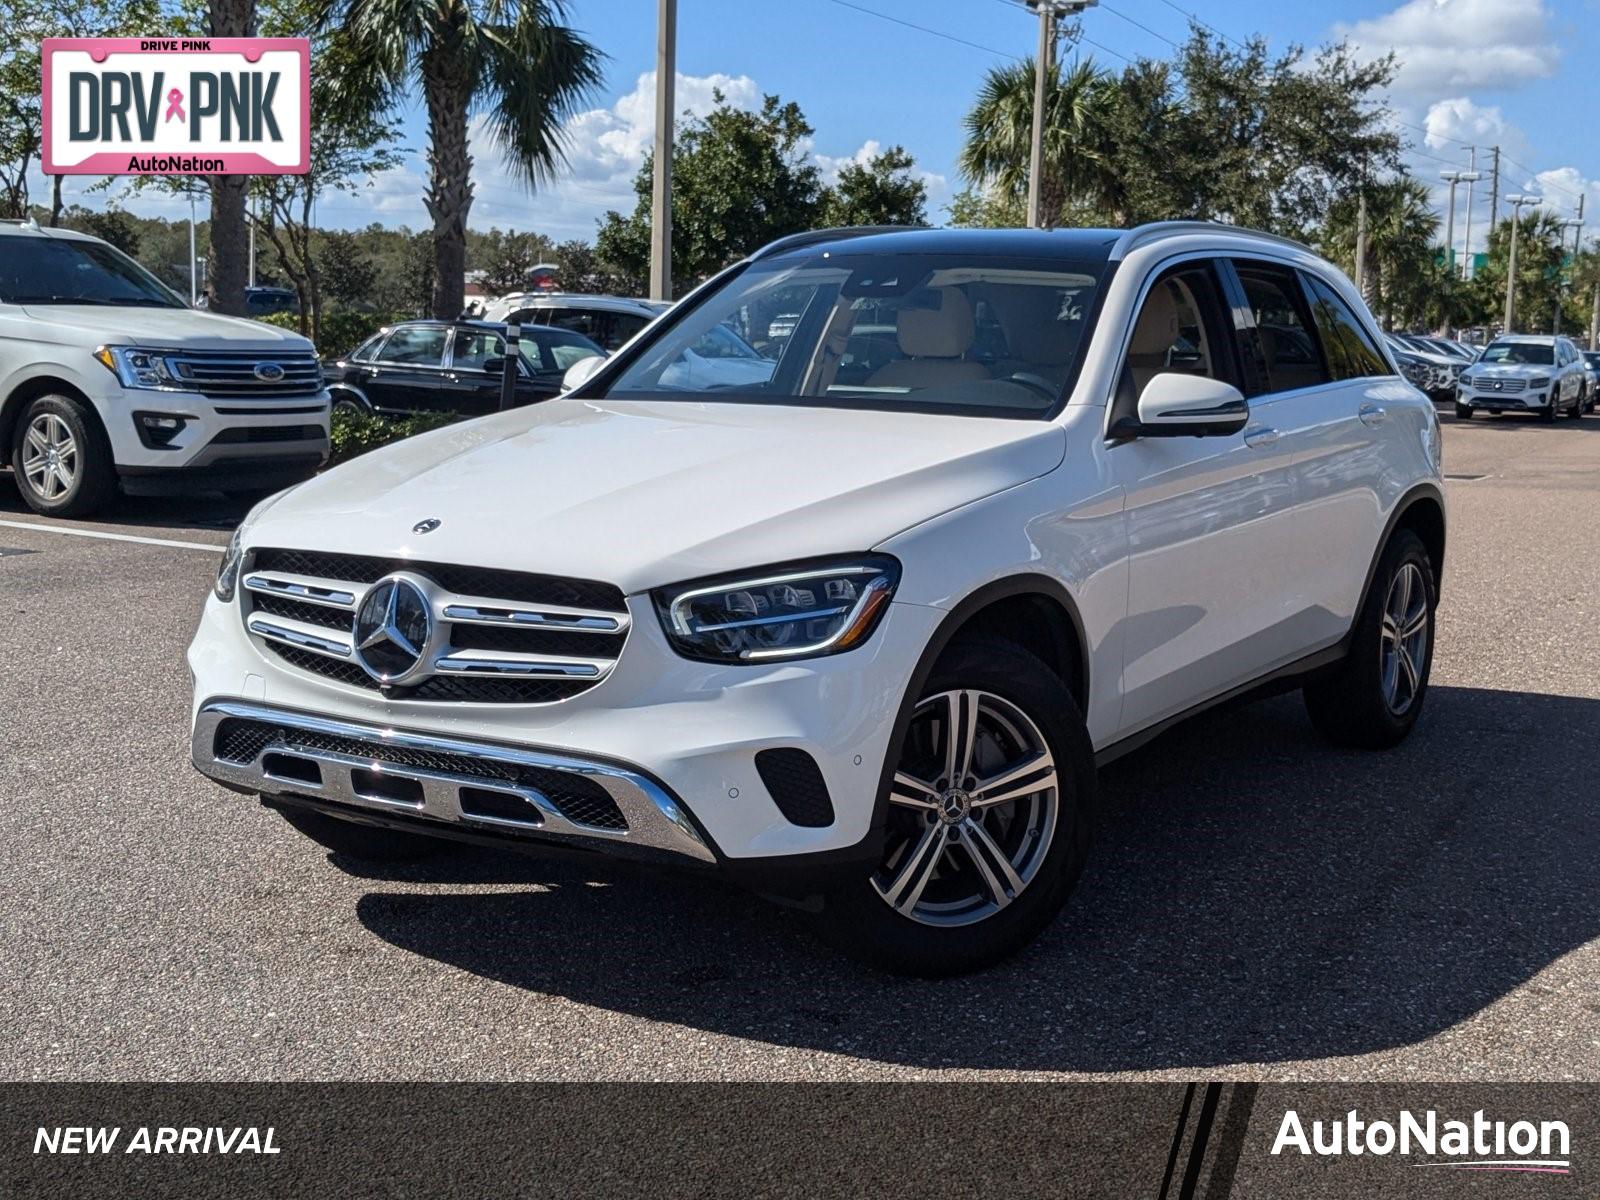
column 107, row 377
column 1525, row 373
column 609, row 321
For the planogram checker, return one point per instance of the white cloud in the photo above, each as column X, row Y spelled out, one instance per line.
column 1449, row 45
column 1460, row 121
column 938, row 186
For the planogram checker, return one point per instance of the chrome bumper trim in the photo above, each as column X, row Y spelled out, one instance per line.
column 654, row 817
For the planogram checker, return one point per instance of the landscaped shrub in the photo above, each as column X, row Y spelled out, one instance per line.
column 356, row 433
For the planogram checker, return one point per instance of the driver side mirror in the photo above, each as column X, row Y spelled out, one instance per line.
column 495, row 364
column 581, row 372
column 1178, row 405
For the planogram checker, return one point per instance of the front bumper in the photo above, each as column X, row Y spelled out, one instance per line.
column 691, row 729
column 481, row 786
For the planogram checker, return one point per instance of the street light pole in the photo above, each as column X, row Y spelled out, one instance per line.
column 1517, row 201
column 1043, row 69
column 661, row 176
column 194, row 269
column 1576, row 225
column 1471, row 176
column 1452, row 178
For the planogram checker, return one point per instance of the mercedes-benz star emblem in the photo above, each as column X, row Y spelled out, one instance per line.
column 427, row 526
column 268, row 372
column 1498, row 385
column 393, row 629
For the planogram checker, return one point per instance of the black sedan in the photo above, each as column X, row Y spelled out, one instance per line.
column 451, row 366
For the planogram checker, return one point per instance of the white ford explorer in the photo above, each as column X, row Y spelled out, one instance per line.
column 107, row 377
column 1007, row 505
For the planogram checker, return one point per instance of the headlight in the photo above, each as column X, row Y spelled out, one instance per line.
column 786, row 612
column 141, row 370
column 228, row 570
column 1539, row 381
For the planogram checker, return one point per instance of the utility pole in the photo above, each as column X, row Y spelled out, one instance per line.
column 252, row 282
column 661, row 180
column 1517, row 201
column 1471, row 176
column 1576, row 225
column 1452, row 178
column 194, row 267
column 1044, row 65
column 1494, row 189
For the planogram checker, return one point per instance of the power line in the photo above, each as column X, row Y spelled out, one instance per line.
column 1139, row 25
column 1203, row 25
column 938, row 33
column 1021, row 6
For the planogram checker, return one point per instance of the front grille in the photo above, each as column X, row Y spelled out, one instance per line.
column 580, row 800
column 467, row 581
column 498, row 648
column 1491, row 386
column 268, row 433
column 227, row 374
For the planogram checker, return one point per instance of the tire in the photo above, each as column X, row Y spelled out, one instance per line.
column 1547, row 414
column 1463, row 412
column 368, row 843
column 957, row 915
column 62, row 437
column 350, row 407
column 1577, row 407
column 1372, row 701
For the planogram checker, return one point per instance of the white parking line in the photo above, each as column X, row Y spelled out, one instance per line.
column 113, row 537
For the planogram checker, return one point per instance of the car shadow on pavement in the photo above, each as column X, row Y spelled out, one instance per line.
column 1254, row 896
column 210, row 510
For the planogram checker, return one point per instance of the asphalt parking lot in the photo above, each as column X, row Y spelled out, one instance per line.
column 1259, row 906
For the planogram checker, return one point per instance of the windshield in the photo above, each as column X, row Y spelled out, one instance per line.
column 1530, row 354
column 944, row 333
column 38, row 270
column 546, row 348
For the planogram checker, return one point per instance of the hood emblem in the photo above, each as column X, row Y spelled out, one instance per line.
column 393, row 630
column 268, row 372
column 427, row 526
column 1498, row 385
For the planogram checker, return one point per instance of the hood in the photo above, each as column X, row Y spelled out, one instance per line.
column 93, row 325
column 1481, row 370
column 645, row 493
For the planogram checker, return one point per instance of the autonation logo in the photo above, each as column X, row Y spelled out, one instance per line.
column 1476, row 1145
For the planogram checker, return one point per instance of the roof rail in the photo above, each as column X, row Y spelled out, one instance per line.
column 812, row 236
column 28, row 222
column 1143, row 235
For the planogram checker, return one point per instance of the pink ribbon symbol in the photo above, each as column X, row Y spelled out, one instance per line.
column 175, row 105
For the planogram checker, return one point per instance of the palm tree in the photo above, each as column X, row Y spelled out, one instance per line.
column 1401, row 228
column 1077, row 166
column 229, row 266
column 516, row 62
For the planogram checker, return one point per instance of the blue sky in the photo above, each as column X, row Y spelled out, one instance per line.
column 1519, row 72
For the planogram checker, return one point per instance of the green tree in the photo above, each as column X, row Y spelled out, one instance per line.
column 1539, row 259
column 507, row 259
column 349, row 144
column 739, row 180
column 1077, row 154
column 1585, row 295
column 349, row 272
column 515, row 62
column 1403, row 279
column 882, row 191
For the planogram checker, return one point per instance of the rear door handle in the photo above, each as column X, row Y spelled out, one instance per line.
column 1372, row 414
column 1260, row 437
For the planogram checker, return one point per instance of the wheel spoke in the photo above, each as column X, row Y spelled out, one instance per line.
column 1032, row 774
column 989, row 859
column 911, row 791
column 1390, row 632
column 1416, row 621
column 37, row 441
column 907, row 886
column 1409, row 668
column 961, row 732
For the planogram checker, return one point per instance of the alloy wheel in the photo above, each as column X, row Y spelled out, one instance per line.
column 1403, row 642
column 50, row 456
column 973, row 810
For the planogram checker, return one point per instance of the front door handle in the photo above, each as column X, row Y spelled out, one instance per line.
column 1260, row 437
column 1372, row 414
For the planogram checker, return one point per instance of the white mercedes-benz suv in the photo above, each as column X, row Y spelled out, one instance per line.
column 108, row 378
column 1008, row 504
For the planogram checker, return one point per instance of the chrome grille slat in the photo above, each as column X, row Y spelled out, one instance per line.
column 230, row 374
column 521, row 649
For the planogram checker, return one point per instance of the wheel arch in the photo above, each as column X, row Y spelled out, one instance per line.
column 1420, row 510
column 1036, row 612
column 346, row 391
column 25, row 393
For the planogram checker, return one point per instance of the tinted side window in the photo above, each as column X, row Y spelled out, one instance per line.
column 1351, row 354
column 418, row 346
column 1294, row 358
column 476, row 347
column 1181, row 328
column 368, row 348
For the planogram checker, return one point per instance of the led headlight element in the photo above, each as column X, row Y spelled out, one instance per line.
column 787, row 612
column 141, row 370
column 228, row 570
